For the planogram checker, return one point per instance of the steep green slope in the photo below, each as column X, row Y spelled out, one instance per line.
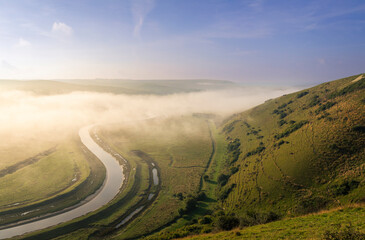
column 290, row 156
column 297, row 153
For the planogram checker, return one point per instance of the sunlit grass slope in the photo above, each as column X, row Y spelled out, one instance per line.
column 293, row 155
column 341, row 223
column 298, row 153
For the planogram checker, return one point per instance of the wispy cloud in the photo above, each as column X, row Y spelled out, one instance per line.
column 140, row 9
column 239, row 30
column 62, row 28
column 256, row 4
column 22, row 43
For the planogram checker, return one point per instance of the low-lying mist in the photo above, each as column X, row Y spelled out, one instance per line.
column 28, row 117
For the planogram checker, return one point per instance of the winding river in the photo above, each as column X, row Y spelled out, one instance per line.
column 112, row 183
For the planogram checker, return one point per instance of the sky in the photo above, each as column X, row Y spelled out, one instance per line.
column 256, row 42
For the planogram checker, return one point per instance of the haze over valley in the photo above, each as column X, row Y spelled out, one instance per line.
column 164, row 119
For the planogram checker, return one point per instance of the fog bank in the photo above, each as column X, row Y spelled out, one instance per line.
column 28, row 116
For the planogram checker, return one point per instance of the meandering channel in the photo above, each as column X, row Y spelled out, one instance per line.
column 112, row 183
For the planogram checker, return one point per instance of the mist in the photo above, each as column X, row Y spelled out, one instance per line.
column 26, row 116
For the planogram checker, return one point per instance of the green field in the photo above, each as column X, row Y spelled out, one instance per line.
column 181, row 154
column 47, row 182
column 181, row 149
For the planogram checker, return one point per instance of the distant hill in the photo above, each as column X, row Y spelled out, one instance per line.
column 297, row 153
column 159, row 87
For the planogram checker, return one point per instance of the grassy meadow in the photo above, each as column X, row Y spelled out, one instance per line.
column 181, row 148
column 49, row 181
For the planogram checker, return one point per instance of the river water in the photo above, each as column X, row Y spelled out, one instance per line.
column 112, row 183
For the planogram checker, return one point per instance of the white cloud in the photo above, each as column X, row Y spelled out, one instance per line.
column 140, row 9
column 22, row 43
column 62, row 28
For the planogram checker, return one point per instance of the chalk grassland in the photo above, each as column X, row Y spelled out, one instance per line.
column 49, row 181
column 300, row 152
column 181, row 148
column 290, row 156
column 341, row 223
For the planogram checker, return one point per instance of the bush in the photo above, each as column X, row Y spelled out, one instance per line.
column 345, row 187
column 233, row 150
column 256, row 151
column 233, row 170
column 281, row 122
column 346, row 233
column 252, row 217
column 291, row 129
column 205, row 220
column 225, row 192
column 206, row 177
column 359, row 128
column 201, row 196
column 222, row 179
column 227, row 222
column 190, row 204
column 314, row 101
column 311, row 204
column 326, row 106
column 302, row 94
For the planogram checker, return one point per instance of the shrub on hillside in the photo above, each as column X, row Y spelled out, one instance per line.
column 345, row 187
column 309, row 204
column 253, row 217
column 302, row 94
column 227, row 222
column 222, row 179
column 225, row 192
column 291, row 129
column 346, row 233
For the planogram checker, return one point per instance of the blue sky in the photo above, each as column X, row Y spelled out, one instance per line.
column 251, row 41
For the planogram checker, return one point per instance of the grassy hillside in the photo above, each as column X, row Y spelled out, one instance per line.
column 298, row 153
column 343, row 223
column 294, row 155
